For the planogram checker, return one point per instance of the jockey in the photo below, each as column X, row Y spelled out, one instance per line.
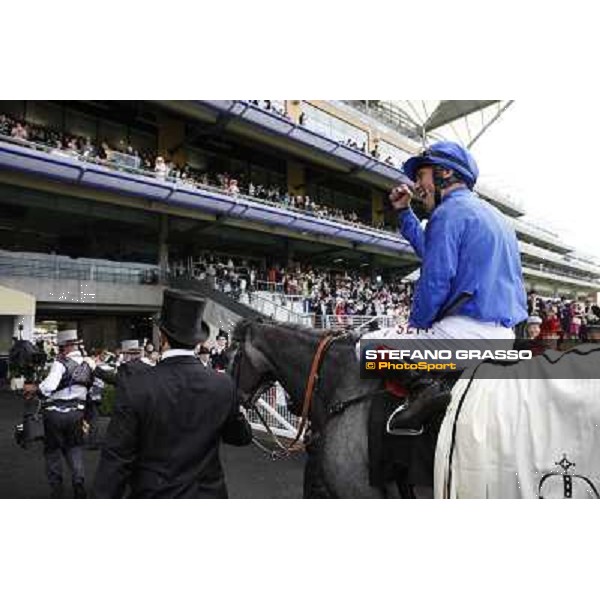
column 471, row 283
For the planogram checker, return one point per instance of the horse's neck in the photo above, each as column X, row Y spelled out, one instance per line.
column 291, row 352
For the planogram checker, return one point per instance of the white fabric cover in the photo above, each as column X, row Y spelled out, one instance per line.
column 511, row 432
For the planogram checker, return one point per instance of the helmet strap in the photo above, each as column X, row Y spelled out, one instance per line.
column 441, row 183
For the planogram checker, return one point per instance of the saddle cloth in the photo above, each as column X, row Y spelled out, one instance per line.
column 523, row 438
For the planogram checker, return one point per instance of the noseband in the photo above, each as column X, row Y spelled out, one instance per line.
column 313, row 376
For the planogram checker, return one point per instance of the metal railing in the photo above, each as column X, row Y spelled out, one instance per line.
column 117, row 166
column 364, row 322
column 296, row 303
column 568, row 262
column 275, row 311
column 268, row 286
column 273, row 410
column 532, row 269
column 538, row 234
column 391, row 115
column 58, row 267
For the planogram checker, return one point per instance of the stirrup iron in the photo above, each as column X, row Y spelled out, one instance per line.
column 402, row 432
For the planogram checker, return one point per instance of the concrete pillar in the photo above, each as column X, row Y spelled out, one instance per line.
column 377, row 207
column 296, row 178
column 28, row 323
column 163, row 248
column 171, row 136
column 6, row 333
column 372, row 140
column 289, row 251
column 294, row 109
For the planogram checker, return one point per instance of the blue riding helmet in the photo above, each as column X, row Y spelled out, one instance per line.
column 448, row 155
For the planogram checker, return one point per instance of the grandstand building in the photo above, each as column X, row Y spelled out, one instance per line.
column 94, row 224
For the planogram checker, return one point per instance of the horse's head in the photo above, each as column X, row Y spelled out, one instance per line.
column 250, row 369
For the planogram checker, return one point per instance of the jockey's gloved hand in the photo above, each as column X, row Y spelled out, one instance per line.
column 400, row 197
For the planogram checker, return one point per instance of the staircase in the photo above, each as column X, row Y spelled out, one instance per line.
column 254, row 307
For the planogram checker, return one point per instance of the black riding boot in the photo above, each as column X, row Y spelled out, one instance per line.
column 427, row 397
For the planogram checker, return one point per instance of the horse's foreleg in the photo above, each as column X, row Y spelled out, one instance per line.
column 314, row 481
column 345, row 454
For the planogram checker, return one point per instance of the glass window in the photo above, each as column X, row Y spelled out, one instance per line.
column 332, row 127
column 142, row 141
column 113, row 133
column 44, row 113
column 279, row 105
column 12, row 108
column 196, row 160
column 80, row 125
column 397, row 155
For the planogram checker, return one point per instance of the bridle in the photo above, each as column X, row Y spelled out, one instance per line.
column 311, row 383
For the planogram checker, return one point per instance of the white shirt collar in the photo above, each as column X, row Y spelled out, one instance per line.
column 176, row 352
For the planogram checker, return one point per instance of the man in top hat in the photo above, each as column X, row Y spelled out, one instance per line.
column 163, row 439
column 133, row 361
column 204, row 357
column 218, row 354
column 63, row 395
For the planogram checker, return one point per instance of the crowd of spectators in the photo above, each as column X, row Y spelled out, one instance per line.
column 237, row 184
column 277, row 108
column 560, row 318
column 65, row 144
column 340, row 294
column 303, row 120
column 375, row 153
column 82, row 146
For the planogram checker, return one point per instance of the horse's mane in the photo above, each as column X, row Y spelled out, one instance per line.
column 241, row 328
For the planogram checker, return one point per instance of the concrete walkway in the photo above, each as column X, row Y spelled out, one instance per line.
column 249, row 473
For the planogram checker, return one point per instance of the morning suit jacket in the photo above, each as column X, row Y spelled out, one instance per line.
column 164, row 435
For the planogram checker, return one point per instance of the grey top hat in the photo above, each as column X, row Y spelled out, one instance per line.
column 67, row 334
column 181, row 317
column 131, row 346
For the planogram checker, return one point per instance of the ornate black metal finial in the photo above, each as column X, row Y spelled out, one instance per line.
column 567, row 479
column 565, row 464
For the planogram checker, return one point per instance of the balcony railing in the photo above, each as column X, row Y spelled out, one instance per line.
column 122, row 166
column 59, row 267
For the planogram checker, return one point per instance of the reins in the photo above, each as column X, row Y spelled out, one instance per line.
column 285, row 450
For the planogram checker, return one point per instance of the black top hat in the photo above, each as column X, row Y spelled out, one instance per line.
column 181, row 317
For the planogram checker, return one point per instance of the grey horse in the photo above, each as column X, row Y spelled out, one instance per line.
column 338, row 453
